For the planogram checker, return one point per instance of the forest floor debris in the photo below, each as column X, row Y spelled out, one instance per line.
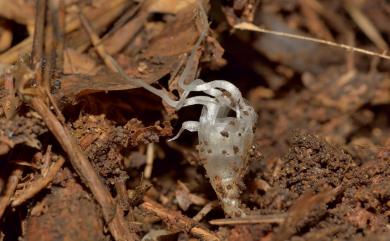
column 83, row 150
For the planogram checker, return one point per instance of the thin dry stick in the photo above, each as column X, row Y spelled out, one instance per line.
column 72, row 24
column 96, row 42
column 132, row 9
column 46, row 160
column 9, row 191
column 112, row 213
column 149, row 160
column 252, row 27
column 58, row 9
column 49, row 51
column 365, row 25
column 250, row 220
column 37, row 52
column 205, row 210
column 12, row 54
column 313, row 22
column 51, row 41
column 39, row 184
column 124, row 34
column 121, row 190
column 179, row 221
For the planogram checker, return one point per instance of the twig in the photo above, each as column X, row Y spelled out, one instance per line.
column 58, row 9
column 54, row 43
column 110, row 8
column 121, row 190
column 279, row 218
column 128, row 14
column 302, row 209
column 252, row 27
column 205, row 210
column 96, row 42
column 338, row 23
column 12, row 54
column 37, row 49
column 12, row 182
column 178, row 221
column 39, row 184
column 365, row 25
column 46, row 160
column 124, row 34
column 149, row 160
column 193, row 198
column 313, row 22
column 49, row 50
column 112, row 214
column 10, row 100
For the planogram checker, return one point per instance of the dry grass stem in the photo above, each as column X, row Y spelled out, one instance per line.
column 9, row 190
column 40, row 184
column 252, row 27
column 179, row 221
column 250, row 220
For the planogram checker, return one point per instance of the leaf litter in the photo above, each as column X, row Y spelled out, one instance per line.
column 76, row 138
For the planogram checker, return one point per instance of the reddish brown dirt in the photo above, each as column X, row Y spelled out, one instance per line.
column 320, row 161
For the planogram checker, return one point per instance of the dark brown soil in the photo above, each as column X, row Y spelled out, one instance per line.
column 319, row 166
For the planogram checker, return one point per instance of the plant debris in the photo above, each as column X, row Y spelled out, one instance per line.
column 84, row 152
